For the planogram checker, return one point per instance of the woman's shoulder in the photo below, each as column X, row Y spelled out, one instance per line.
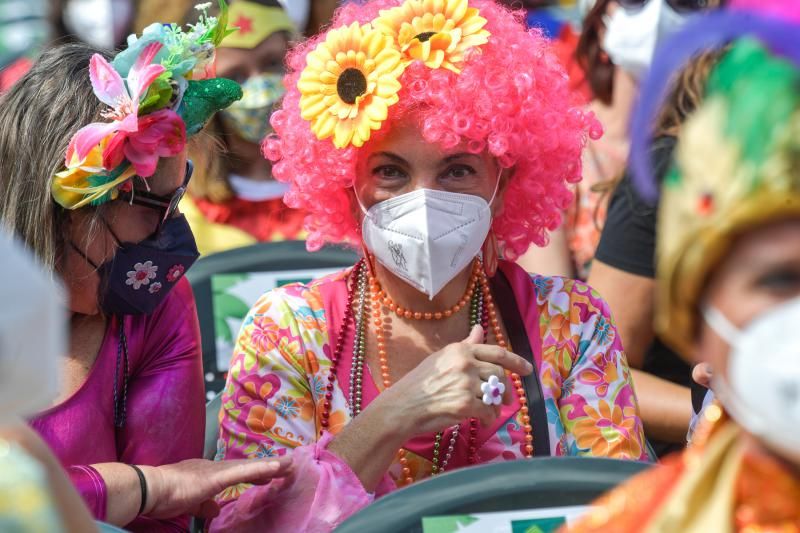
column 178, row 303
column 171, row 331
column 300, row 299
column 561, row 292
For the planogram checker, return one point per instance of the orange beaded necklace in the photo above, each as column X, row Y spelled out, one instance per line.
column 482, row 311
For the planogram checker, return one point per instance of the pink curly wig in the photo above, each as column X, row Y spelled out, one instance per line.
column 511, row 98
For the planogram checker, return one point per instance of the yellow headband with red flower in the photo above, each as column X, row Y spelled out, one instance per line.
column 352, row 77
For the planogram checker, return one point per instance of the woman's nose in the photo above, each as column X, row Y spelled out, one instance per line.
column 425, row 180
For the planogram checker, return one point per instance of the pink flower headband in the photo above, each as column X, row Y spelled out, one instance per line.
column 159, row 90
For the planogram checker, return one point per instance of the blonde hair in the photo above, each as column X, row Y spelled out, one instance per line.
column 38, row 117
column 210, row 156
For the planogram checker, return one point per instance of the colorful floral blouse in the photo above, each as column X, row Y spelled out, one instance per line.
column 278, row 374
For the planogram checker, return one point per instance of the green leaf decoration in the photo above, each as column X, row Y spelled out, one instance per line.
column 230, row 306
column 221, row 30
column 222, row 329
column 158, row 96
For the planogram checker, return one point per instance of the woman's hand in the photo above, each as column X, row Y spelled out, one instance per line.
column 445, row 388
column 702, row 374
column 189, row 487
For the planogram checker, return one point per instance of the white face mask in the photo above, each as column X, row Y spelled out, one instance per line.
column 631, row 36
column 762, row 391
column 299, row 11
column 427, row 237
column 99, row 23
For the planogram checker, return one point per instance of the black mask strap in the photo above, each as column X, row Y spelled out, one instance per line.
column 82, row 254
column 111, row 231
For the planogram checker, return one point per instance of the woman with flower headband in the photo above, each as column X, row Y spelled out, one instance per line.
column 728, row 273
column 128, row 420
column 436, row 135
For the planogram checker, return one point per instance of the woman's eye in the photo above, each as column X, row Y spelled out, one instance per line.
column 780, row 280
column 388, row 172
column 237, row 76
column 460, row 172
column 272, row 66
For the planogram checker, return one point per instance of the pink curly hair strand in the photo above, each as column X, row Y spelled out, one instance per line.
column 511, row 99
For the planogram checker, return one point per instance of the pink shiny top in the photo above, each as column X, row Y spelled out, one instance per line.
column 165, row 414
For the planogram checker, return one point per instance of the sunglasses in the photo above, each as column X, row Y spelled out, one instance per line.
column 681, row 6
column 165, row 205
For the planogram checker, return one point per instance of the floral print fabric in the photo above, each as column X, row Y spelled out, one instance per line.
column 273, row 399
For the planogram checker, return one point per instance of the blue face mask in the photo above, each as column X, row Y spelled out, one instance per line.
column 140, row 275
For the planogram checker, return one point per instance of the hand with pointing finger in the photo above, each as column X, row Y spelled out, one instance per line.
column 446, row 388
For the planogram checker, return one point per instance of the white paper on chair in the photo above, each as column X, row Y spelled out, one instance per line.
column 544, row 520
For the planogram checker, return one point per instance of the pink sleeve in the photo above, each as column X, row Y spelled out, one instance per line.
column 92, row 488
column 319, row 494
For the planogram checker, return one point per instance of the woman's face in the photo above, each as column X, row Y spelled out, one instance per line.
column 403, row 161
column 761, row 271
column 128, row 222
column 238, row 64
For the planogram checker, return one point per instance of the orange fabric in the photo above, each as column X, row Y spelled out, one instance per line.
column 766, row 494
column 628, row 508
column 268, row 220
column 768, row 497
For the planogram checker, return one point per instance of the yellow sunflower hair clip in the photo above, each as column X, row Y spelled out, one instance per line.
column 352, row 77
column 436, row 32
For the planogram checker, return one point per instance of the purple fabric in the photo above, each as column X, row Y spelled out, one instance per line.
column 88, row 481
column 165, row 404
column 700, row 34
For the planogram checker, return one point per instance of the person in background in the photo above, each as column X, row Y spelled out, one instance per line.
column 35, row 493
column 23, row 30
column 403, row 134
column 617, row 44
column 102, row 24
column 233, row 199
column 321, row 14
column 299, row 12
column 572, row 246
column 129, row 418
column 628, row 243
column 728, row 284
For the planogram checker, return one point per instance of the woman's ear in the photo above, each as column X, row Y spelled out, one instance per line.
column 499, row 200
